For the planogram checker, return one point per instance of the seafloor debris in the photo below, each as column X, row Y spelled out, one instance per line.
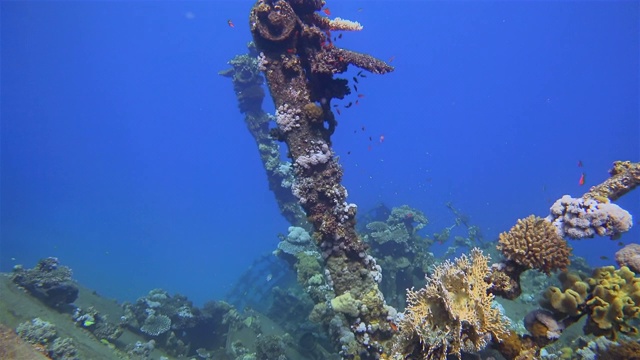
column 47, row 281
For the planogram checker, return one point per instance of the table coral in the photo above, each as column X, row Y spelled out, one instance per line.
column 452, row 313
column 535, row 244
column 156, row 325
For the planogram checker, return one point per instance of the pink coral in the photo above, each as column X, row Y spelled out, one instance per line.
column 629, row 256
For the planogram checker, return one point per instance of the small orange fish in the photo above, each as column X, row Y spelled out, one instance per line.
column 230, row 24
column 391, row 59
column 327, row 11
column 393, row 326
column 581, row 181
column 579, row 163
column 381, row 139
column 361, row 95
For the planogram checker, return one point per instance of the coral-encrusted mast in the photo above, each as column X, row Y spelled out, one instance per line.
column 299, row 61
column 625, row 176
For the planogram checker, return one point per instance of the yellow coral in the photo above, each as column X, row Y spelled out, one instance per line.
column 535, row 244
column 615, row 300
column 569, row 301
column 452, row 313
column 346, row 304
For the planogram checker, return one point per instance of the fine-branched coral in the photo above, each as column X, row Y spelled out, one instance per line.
column 452, row 313
column 535, row 244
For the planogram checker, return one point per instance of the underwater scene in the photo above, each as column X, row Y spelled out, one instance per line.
column 311, row 179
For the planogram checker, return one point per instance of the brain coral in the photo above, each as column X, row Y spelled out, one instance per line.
column 452, row 313
column 535, row 244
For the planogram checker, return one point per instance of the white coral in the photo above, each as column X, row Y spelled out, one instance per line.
column 580, row 218
column 344, row 25
column 287, row 117
column 320, row 156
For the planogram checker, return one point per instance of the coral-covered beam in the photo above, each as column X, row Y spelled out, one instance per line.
column 299, row 61
column 625, row 176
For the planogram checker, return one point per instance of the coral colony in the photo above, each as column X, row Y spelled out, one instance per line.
column 343, row 304
column 455, row 311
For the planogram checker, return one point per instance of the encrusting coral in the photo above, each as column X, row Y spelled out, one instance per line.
column 625, row 176
column 535, row 244
column 299, row 62
column 452, row 313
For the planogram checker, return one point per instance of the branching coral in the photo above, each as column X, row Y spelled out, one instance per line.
column 452, row 313
column 535, row 244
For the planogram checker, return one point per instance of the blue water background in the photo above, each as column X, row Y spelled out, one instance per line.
column 124, row 154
